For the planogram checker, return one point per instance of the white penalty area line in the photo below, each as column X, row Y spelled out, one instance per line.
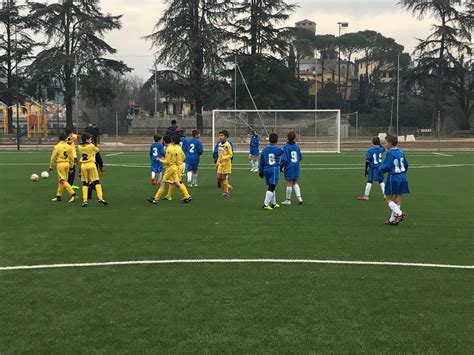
column 234, row 261
column 442, row 154
column 113, row 154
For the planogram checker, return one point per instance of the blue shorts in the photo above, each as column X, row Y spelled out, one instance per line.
column 292, row 174
column 272, row 175
column 396, row 184
column 156, row 167
column 375, row 174
column 253, row 151
column 192, row 165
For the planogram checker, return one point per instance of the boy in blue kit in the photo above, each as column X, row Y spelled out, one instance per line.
column 290, row 164
column 270, row 169
column 373, row 162
column 396, row 165
column 193, row 155
column 157, row 151
column 254, row 151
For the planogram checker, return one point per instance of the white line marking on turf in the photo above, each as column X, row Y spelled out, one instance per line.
column 113, row 154
column 443, row 155
column 235, row 261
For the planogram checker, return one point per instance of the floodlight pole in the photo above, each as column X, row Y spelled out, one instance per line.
column 341, row 25
column 156, row 90
column 76, row 94
column 17, row 94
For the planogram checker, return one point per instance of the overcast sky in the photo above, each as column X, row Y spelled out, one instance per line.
column 385, row 16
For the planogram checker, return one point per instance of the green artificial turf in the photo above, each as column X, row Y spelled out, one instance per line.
column 238, row 307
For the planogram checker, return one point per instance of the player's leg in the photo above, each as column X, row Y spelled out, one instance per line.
column 225, row 185
column 297, row 189
column 251, row 162
column 289, row 190
column 169, row 195
column 195, row 174
column 382, row 187
column 100, row 194
column 184, row 191
column 368, row 187
column 398, row 201
column 190, row 178
column 159, row 193
column 60, row 188
column 153, row 177
column 274, row 180
column 269, row 195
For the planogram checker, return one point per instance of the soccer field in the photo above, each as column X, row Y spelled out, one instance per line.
column 252, row 307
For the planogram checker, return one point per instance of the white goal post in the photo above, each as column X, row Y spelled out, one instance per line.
column 316, row 130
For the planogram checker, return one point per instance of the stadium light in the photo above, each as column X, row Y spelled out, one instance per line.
column 342, row 25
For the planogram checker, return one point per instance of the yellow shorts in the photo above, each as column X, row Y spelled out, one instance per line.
column 63, row 171
column 170, row 175
column 89, row 173
column 224, row 168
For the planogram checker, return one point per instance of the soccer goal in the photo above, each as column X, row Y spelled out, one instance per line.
column 316, row 130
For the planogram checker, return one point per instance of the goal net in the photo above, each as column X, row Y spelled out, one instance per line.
column 316, row 130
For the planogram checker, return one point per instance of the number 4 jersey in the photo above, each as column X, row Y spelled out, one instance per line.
column 396, row 165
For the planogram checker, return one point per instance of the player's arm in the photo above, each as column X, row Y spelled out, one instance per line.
column 229, row 153
column 261, row 165
column 95, row 149
column 70, row 157
column 215, row 153
column 52, row 161
column 405, row 162
column 366, row 170
column 284, row 160
column 100, row 162
column 387, row 163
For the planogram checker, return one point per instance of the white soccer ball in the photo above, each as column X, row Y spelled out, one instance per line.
column 34, row 177
column 44, row 175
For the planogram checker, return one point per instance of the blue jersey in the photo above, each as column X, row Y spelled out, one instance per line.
column 395, row 162
column 194, row 150
column 254, row 145
column 156, row 151
column 215, row 152
column 184, row 144
column 270, row 164
column 290, row 161
column 374, row 157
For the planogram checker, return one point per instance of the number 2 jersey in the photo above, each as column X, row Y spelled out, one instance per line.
column 194, row 150
column 87, row 153
column 290, row 161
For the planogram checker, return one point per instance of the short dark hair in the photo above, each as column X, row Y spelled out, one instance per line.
column 167, row 139
column 273, row 138
column 176, row 139
column 225, row 133
column 173, row 122
column 68, row 131
column 156, row 138
column 376, row 141
column 85, row 137
column 393, row 140
column 291, row 136
column 63, row 136
column 181, row 132
column 196, row 132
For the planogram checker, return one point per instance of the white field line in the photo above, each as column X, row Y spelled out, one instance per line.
column 442, row 154
column 113, row 154
column 236, row 261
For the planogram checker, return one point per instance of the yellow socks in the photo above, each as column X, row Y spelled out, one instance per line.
column 225, row 184
column 68, row 188
column 159, row 193
column 98, row 188
column 170, row 191
column 184, row 191
column 85, row 191
column 60, row 189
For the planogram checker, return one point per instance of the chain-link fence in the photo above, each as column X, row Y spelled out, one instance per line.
column 138, row 134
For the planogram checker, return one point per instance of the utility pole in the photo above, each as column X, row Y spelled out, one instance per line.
column 156, row 90
column 76, row 94
column 341, row 26
column 17, row 93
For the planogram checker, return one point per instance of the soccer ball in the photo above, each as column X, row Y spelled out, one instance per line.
column 34, row 177
column 44, row 175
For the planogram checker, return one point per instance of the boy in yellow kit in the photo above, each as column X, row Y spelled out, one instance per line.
column 63, row 159
column 224, row 162
column 89, row 173
column 181, row 157
column 170, row 161
column 72, row 138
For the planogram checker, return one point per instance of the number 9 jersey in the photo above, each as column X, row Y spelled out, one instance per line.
column 396, row 165
column 290, row 161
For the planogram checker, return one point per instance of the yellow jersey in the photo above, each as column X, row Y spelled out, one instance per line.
column 171, row 156
column 62, row 153
column 71, row 140
column 225, row 153
column 180, row 156
column 88, row 152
